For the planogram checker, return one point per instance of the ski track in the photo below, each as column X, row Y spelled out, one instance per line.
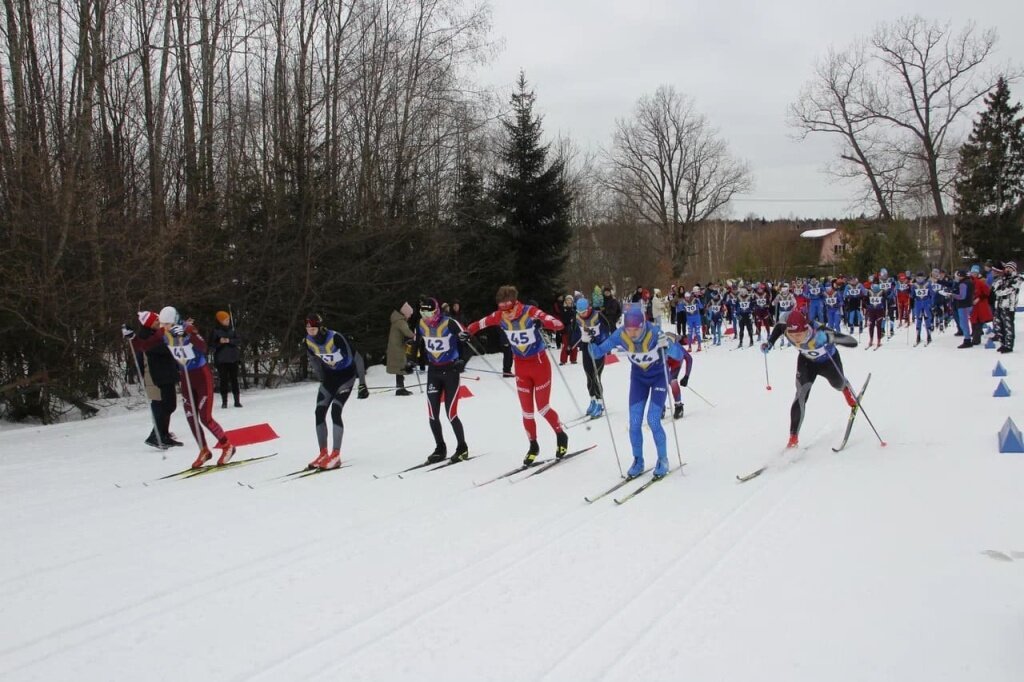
column 611, row 646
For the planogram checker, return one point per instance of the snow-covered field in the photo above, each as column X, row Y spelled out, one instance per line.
column 904, row 563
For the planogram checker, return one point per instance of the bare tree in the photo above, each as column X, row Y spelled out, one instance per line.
column 670, row 166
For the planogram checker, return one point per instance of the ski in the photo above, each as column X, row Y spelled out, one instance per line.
column 404, row 471
column 853, row 415
column 449, row 463
column 520, row 469
column 609, row 491
column 651, row 481
column 203, row 471
column 548, row 465
column 316, row 472
column 752, row 475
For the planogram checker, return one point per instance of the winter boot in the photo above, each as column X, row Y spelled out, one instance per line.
column 461, row 453
column 154, row 443
column 204, row 456
column 237, row 403
column 224, row 404
column 793, row 441
column 402, row 391
column 598, row 410
column 562, row 447
column 173, row 442
column 637, row 468
column 966, row 344
column 332, row 461
column 661, row 468
column 315, row 464
column 851, row 399
column 531, row 454
column 227, row 451
column 678, row 412
column 439, row 454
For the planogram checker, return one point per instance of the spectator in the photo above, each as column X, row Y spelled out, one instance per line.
column 400, row 337
column 981, row 311
column 160, row 378
column 612, row 308
column 225, row 343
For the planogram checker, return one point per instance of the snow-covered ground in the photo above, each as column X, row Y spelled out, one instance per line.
column 904, row 563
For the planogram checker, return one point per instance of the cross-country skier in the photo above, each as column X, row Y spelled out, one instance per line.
column 716, row 312
column 592, row 327
column 522, row 326
column 692, row 308
column 674, row 365
column 903, row 299
column 762, row 312
column 877, row 308
column 815, row 301
column 336, row 363
column 887, row 289
column 785, row 303
column 853, row 299
column 818, row 357
column 437, row 343
column 645, row 345
column 189, row 349
column 923, row 292
column 833, row 308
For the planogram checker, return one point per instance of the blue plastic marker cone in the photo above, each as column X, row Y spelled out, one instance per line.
column 1010, row 439
column 999, row 371
column 1002, row 390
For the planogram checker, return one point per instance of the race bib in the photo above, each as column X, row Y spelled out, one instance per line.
column 812, row 353
column 921, row 293
column 521, row 338
column 438, row 345
column 785, row 304
column 691, row 309
column 183, row 354
column 875, row 300
column 831, row 300
column 643, row 360
column 331, row 359
column 744, row 305
column 814, row 291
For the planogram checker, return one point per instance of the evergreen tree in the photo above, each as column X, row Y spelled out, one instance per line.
column 532, row 201
column 483, row 261
column 990, row 183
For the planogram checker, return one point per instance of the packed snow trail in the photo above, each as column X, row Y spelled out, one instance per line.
column 898, row 563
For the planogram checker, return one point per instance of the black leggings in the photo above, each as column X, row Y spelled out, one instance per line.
column 334, row 391
column 163, row 409
column 743, row 322
column 227, row 376
column 443, row 383
column 593, row 369
column 807, row 371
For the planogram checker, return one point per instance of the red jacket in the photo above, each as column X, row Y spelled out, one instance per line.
column 982, row 311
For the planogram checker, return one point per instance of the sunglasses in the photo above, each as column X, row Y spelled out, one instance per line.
column 506, row 305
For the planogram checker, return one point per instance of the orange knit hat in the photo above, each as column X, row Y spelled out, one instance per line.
column 223, row 317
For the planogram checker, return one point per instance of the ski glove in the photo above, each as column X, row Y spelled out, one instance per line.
column 178, row 330
column 465, row 336
column 126, row 332
column 685, row 380
column 765, row 347
column 363, row 392
column 459, row 366
column 663, row 340
column 585, row 335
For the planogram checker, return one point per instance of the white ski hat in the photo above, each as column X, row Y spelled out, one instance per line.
column 168, row 315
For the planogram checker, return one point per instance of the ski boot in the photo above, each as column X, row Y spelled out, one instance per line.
column 439, row 454
column 793, row 441
column 160, row 445
column 678, row 412
column 637, row 468
column 661, row 468
column 204, row 456
column 562, row 448
column 315, row 464
column 531, row 454
column 332, row 461
column 461, row 453
column 591, row 407
column 598, row 410
column 227, row 451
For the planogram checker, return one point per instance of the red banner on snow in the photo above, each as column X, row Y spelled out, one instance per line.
column 247, row 435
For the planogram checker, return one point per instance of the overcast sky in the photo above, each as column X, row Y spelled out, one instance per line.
column 742, row 62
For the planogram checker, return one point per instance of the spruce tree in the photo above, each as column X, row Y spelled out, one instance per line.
column 483, row 261
column 532, row 200
column 990, row 180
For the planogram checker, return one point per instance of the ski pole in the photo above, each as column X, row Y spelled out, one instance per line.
column 485, row 371
column 490, row 367
column 600, row 396
column 190, row 407
column 565, row 381
column 700, row 396
column 767, row 382
column 857, row 400
column 142, row 383
column 668, row 383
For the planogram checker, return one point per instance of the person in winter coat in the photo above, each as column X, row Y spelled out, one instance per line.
column 160, row 377
column 981, row 313
column 567, row 314
column 400, row 337
column 612, row 308
column 1005, row 290
column 226, row 353
column 658, row 307
column 962, row 295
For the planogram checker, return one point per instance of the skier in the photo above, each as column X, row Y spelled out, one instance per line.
column 885, row 287
column 644, row 344
column 853, row 299
column 437, row 343
column 784, row 303
column 160, row 379
column 592, row 327
column 815, row 298
column 692, row 309
column 336, row 363
column 674, row 365
column 762, row 312
column 189, row 349
column 833, row 308
column 903, row 299
column 877, row 308
column 521, row 325
column 924, row 293
column 818, row 356
column 716, row 312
